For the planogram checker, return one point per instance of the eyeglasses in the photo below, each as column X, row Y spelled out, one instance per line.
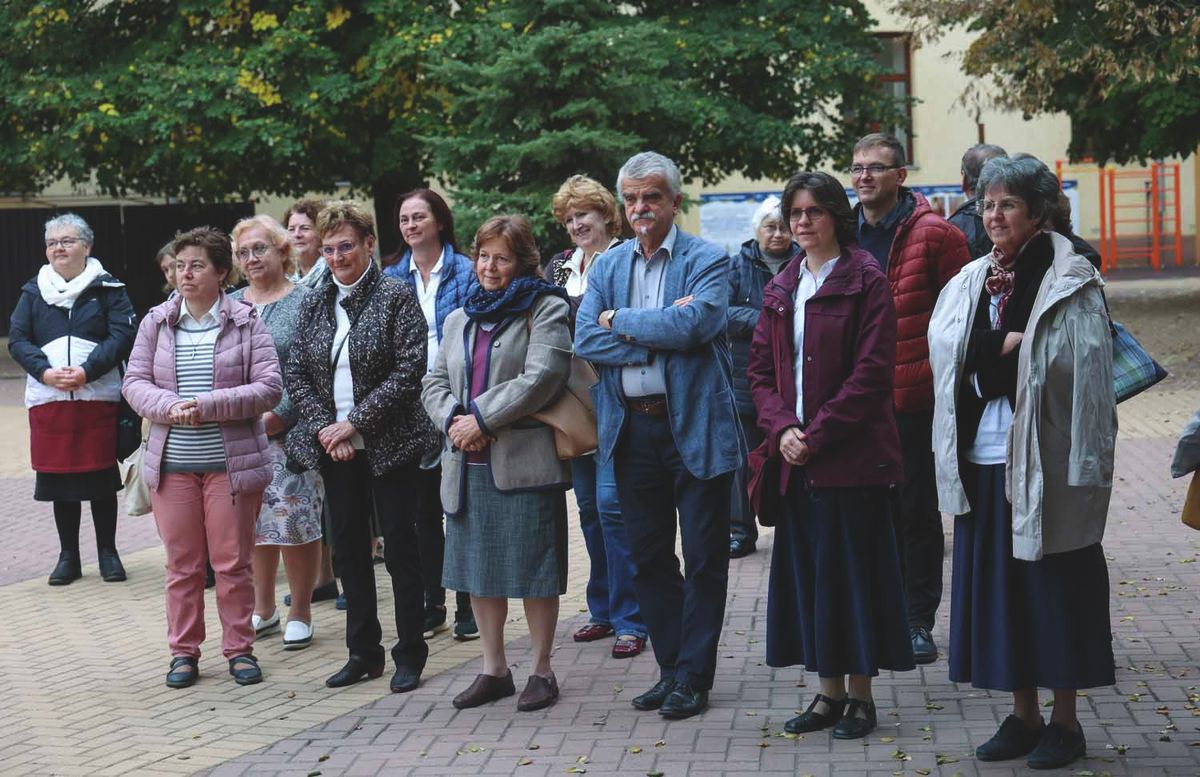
column 775, row 228
column 341, row 249
column 65, row 242
column 858, row 170
column 795, row 215
column 258, row 249
column 1007, row 205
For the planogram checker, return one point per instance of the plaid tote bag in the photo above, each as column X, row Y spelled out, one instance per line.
column 1134, row 370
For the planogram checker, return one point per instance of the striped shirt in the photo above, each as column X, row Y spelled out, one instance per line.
column 195, row 448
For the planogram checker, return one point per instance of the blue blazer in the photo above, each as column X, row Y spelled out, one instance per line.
column 456, row 283
column 689, row 340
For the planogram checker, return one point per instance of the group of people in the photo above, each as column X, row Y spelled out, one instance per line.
column 851, row 374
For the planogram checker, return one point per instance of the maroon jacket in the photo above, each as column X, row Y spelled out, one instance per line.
column 849, row 355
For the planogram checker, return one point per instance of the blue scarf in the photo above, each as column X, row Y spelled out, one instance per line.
column 514, row 300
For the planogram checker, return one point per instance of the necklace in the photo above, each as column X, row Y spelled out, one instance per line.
column 195, row 338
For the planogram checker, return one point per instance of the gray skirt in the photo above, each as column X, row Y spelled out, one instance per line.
column 510, row 545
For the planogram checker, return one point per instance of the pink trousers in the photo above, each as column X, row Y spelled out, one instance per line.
column 197, row 520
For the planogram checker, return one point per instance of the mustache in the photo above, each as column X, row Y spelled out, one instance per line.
column 643, row 217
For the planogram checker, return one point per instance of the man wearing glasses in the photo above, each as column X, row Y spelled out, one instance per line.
column 920, row 252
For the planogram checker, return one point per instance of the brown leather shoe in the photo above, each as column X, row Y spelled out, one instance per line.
column 592, row 632
column 486, row 688
column 628, row 647
column 539, row 693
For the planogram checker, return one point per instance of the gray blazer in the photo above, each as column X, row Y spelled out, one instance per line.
column 528, row 367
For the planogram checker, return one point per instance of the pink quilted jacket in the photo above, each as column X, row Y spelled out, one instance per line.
column 246, row 383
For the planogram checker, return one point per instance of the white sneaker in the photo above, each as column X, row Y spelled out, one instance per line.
column 297, row 636
column 265, row 625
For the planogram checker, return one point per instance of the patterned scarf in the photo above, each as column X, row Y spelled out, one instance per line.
column 1000, row 278
column 514, row 300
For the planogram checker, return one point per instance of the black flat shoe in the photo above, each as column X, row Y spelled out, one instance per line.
column 654, row 698
column 111, row 568
column 177, row 677
column 684, row 702
column 811, row 720
column 249, row 673
column 1058, row 747
column 855, row 726
column 1012, row 740
column 355, row 669
column 321, row 593
column 924, row 649
column 405, row 679
column 740, row 547
column 67, row 570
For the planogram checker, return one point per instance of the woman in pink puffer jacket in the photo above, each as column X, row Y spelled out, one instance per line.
column 203, row 371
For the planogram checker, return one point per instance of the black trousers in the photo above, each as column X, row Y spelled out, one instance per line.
column 431, row 538
column 351, row 490
column 683, row 612
column 922, row 542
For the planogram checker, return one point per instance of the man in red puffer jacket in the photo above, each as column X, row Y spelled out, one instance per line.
column 920, row 252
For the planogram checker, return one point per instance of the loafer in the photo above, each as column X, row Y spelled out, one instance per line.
column 435, row 621
column 321, row 593
column 855, row 726
column 405, row 679
column 654, row 698
column 1012, row 740
column 67, row 570
column 485, row 688
column 1058, row 747
column 628, row 647
column 811, row 720
column 248, row 673
column 210, row 576
column 592, row 632
column 539, row 693
column 684, row 702
column 356, row 669
column 924, row 649
column 465, row 628
column 297, row 636
column 183, row 672
column 111, row 568
column 740, row 547
column 263, row 625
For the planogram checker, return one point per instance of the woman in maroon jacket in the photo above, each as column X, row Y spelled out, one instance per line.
column 821, row 374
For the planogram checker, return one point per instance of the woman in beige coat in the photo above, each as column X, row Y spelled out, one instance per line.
column 1024, row 428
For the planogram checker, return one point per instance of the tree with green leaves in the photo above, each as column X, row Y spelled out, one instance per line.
column 1127, row 72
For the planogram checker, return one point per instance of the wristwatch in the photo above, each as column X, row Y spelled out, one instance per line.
column 606, row 317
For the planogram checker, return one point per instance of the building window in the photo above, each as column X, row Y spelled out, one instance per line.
column 895, row 56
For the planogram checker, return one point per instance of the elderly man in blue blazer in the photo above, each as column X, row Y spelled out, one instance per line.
column 653, row 319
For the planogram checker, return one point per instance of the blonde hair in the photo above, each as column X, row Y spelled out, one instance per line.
column 585, row 193
column 278, row 237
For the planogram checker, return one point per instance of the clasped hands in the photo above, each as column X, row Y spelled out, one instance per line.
column 793, row 446
column 465, row 434
column 65, row 378
column 336, row 439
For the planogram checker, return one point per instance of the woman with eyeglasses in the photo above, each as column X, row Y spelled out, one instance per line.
column 355, row 378
column 289, row 522
column 71, row 329
column 821, row 374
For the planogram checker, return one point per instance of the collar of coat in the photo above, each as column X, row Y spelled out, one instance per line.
column 357, row 298
column 1068, row 273
column 237, row 310
column 844, row 280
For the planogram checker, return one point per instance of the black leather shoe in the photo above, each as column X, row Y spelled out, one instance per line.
column 1012, row 740
column 321, row 593
column 740, row 547
column 183, row 672
column 853, row 725
column 924, row 649
column 355, row 669
column 811, row 720
column 405, row 679
column 653, row 698
column 684, row 702
column 67, row 570
column 111, row 568
column 245, row 670
column 210, row 576
column 1058, row 747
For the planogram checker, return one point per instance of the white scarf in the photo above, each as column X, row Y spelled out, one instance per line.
column 63, row 293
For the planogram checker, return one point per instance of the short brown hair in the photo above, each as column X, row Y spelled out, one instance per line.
column 216, row 246
column 585, row 193
column 518, row 233
column 345, row 213
column 883, row 140
column 307, row 206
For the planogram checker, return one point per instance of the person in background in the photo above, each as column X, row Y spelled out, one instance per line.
column 429, row 261
column 1024, row 433
column 71, row 329
column 588, row 211
column 289, row 522
column 203, row 371
column 967, row 217
column 919, row 252
column 165, row 260
column 761, row 259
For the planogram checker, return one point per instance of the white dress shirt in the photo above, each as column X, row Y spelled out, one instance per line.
column 807, row 286
column 343, row 379
column 427, row 296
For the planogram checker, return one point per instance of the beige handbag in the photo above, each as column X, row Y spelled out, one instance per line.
column 1191, row 505
column 571, row 414
column 137, row 493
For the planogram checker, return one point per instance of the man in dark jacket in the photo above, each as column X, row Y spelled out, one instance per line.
column 968, row 218
column 919, row 252
column 761, row 258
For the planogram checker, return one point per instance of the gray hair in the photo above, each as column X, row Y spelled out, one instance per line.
column 973, row 161
column 1026, row 177
column 649, row 163
column 72, row 220
column 768, row 209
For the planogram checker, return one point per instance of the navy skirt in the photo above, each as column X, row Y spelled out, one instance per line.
column 836, row 599
column 1015, row 624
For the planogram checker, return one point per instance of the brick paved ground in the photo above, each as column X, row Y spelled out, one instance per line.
column 81, row 668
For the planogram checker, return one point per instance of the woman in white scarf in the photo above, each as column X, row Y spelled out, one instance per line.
column 71, row 329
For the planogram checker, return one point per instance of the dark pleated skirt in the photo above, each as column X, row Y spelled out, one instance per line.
column 76, row 486
column 836, row 598
column 1023, row 624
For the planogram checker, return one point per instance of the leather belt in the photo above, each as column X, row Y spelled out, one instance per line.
column 655, row 405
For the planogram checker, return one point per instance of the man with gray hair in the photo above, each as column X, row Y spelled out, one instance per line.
column 653, row 320
column 967, row 217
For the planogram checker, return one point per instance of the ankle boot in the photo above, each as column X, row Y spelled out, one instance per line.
column 111, row 568
column 67, row 570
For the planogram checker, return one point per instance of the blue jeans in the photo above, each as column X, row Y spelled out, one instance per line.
column 610, row 596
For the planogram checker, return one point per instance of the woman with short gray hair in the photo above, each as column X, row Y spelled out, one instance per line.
column 1023, row 436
